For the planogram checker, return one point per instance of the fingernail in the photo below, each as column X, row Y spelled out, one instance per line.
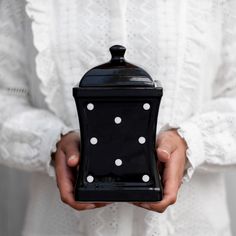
column 166, row 152
column 74, row 157
column 90, row 206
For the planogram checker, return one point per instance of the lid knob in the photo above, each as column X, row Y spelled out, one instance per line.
column 117, row 54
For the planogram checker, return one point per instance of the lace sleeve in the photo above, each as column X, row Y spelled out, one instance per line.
column 27, row 134
column 211, row 135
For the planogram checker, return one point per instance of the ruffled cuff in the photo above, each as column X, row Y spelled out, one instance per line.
column 48, row 146
column 195, row 148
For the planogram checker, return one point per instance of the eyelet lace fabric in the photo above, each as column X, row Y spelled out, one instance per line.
column 24, row 130
column 187, row 45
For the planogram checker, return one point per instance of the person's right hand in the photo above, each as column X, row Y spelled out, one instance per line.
column 66, row 160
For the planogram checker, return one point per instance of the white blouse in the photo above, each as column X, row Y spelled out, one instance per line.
column 188, row 45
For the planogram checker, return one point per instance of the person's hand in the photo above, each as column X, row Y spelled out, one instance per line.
column 66, row 160
column 171, row 152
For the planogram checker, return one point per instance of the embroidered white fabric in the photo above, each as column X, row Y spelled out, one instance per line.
column 187, row 45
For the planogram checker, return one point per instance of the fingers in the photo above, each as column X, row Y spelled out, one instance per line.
column 65, row 180
column 160, row 206
column 67, row 156
column 166, row 143
column 169, row 198
column 172, row 177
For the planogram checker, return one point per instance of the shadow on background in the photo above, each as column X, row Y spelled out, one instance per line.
column 231, row 195
column 13, row 200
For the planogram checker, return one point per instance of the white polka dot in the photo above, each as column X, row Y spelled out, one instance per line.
column 146, row 106
column 142, row 140
column 118, row 162
column 145, row 178
column 90, row 106
column 117, row 120
column 94, row 141
column 90, row 178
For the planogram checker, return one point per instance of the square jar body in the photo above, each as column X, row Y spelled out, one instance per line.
column 118, row 134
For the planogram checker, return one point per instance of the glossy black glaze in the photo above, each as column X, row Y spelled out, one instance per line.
column 118, row 89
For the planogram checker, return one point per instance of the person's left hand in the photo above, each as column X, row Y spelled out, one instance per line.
column 171, row 152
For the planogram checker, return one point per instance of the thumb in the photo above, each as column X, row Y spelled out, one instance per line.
column 165, row 146
column 163, row 155
column 72, row 156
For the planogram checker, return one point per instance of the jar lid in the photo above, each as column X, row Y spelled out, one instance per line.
column 117, row 73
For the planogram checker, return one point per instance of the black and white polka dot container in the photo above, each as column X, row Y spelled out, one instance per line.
column 118, row 105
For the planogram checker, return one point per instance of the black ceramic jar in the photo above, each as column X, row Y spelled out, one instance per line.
column 118, row 104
